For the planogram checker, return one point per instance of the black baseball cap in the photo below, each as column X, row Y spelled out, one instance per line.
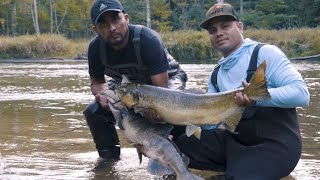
column 101, row 6
column 218, row 10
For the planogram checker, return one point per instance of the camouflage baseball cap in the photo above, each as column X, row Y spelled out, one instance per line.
column 219, row 9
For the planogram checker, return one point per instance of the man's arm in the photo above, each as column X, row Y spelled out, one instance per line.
column 161, row 79
column 98, row 85
column 285, row 84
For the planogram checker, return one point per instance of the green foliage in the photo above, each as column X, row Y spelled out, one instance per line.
column 136, row 10
column 194, row 18
column 187, row 46
column 160, row 15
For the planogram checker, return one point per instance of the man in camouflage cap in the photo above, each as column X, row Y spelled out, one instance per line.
column 266, row 143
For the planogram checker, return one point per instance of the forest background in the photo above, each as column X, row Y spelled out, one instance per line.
column 62, row 28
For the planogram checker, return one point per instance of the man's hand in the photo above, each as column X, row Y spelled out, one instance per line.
column 102, row 99
column 243, row 99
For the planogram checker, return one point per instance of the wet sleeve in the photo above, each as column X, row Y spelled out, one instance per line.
column 285, row 84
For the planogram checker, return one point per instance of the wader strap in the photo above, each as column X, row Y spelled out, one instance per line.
column 214, row 77
column 136, row 43
column 103, row 52
column 253, row 62
column 251, row 69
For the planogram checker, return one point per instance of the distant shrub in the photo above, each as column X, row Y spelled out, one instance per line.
column 33, row 46
column 294, row 42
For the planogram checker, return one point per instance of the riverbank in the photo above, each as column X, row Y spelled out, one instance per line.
column 185, row 46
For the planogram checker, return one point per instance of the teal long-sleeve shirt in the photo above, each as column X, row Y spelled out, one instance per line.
column 285, row 84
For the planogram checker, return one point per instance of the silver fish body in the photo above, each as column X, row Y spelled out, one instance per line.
column 181, row 108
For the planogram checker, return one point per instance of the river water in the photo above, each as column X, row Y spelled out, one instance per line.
column 43, row 134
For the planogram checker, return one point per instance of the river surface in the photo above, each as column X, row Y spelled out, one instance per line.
column 43, row 134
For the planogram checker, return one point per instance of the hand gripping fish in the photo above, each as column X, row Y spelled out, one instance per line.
column 182, row 108
column 152, row 140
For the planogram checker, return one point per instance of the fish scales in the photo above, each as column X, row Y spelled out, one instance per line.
column 187, row 106
column 182, row 108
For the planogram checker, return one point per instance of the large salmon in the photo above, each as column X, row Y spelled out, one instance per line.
column 152, row 140
column 182, row 108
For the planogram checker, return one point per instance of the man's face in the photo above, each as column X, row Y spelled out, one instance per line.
column 113, row 28
column 225, row 35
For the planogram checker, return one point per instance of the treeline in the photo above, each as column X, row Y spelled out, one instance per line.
column 71, row 18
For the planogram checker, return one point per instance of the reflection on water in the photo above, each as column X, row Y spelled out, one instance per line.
column 43, row 134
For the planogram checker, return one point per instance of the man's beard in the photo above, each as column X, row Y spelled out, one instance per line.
column 120, row 40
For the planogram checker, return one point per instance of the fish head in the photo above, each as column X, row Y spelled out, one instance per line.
column 113, row 100
column 128, row 93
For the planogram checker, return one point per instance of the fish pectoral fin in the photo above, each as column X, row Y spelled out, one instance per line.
column 139, row 149
column 193, row 130
column 155, row 167
column 140, row 157
column 232, row 122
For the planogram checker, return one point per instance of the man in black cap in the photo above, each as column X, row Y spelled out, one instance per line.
column 266, row 144
column 122, row 48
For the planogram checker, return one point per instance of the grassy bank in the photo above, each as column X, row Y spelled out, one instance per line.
column 43, row 46
column 185, row 46
column 194, row 45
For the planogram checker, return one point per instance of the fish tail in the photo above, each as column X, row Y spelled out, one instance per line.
column 155, row 167
column 257, row 89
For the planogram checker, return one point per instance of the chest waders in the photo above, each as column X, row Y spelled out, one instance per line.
column 102, row 122
column 265, row 146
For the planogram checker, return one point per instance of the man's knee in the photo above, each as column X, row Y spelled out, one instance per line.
column 102, row 127
column 94, row 112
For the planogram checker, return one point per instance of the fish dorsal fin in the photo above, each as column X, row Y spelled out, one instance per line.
column 125, row 79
